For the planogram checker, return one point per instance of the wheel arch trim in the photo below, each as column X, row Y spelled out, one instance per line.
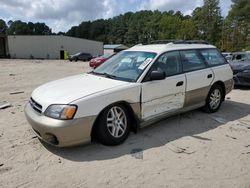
column 132, row 108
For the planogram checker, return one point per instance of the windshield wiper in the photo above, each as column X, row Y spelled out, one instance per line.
column 103, row 74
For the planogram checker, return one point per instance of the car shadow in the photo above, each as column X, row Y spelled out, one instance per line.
column 242, row 87
column 188, row 124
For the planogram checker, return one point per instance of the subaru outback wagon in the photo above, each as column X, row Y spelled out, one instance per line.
column 133, row 89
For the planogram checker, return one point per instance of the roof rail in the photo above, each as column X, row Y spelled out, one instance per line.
column 179, row 42
column 162, row 41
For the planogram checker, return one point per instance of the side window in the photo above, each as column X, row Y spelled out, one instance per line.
column 169, row 63
column 191, row 60
column 238, row 57
column 212, row 57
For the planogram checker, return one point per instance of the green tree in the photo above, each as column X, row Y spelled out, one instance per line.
column 187, row 30
column 169, row 26
column 208, row 21
column 19, row 28
column 41, row 29
column 22, row 28
column 236, row 36
column 3, row 26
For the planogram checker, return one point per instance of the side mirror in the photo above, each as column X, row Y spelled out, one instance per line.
column 157, row 75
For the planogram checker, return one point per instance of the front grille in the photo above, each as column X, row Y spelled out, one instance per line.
column 36, row 106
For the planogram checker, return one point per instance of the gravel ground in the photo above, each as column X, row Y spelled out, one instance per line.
column 194, row 149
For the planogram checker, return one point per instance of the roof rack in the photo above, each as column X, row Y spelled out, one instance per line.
column 179, row 42
column 162, row 41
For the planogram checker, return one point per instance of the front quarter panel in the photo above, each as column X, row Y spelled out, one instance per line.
column 94, row 104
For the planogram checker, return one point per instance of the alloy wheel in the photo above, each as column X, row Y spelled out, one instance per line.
column 116, row 122
column 215, row 99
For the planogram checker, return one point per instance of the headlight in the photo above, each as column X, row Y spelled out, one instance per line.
column 64, row 112
column 246, row 71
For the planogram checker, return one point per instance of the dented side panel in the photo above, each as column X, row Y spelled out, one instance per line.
column 162, row 96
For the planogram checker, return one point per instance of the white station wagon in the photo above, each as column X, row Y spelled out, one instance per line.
column 134, row 88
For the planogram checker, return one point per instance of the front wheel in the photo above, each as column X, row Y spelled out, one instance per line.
column 114, row 125
column 214, row 99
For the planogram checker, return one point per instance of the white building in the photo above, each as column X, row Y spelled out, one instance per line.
column 49, row 46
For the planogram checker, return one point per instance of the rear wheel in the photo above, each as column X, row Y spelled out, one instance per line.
column 214, row 99
column 114, row 125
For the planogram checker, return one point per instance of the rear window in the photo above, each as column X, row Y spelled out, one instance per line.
column 212, row 57
column 191, row 60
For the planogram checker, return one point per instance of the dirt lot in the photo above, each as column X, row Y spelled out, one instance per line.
column 194, row 149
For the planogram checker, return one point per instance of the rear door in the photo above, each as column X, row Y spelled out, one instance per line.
column 221, row 68
column 164, row 96
column 199, row 78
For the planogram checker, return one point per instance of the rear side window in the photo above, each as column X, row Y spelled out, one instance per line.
column 212, row 57
column 191, row 60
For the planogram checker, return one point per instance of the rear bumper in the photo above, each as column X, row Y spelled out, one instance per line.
column 60, row 133
column 92, row 64
column 229, row 85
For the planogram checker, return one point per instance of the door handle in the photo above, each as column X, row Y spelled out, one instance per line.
column 179, row 83
column 209, row 76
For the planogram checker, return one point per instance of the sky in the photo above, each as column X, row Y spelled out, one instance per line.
column 61, row 15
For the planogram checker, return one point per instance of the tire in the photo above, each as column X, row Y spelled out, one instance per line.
column 214, row 99
column 114, row 125
column 76, row 59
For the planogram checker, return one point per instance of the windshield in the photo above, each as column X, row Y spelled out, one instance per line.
column 126, row 65
column 76, row 54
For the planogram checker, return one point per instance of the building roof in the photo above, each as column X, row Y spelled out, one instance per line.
column 51, row 36
column 115, row 46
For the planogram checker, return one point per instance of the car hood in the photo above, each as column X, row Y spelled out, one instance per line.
column 240, row 66
column 67, row 90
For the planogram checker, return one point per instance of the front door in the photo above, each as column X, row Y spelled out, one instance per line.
column 164, row 96
column 61, row 54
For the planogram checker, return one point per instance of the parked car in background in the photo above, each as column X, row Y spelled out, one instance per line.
column 95, row 62
column 132, row 89
column 227, row 55
column 239, row 57
column 240, row 64
column 80, row 56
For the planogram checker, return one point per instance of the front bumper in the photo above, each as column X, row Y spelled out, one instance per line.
column 60, row 133
column 242, row 79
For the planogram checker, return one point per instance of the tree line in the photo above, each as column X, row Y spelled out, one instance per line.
column 22, row 28
column 231, row 33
